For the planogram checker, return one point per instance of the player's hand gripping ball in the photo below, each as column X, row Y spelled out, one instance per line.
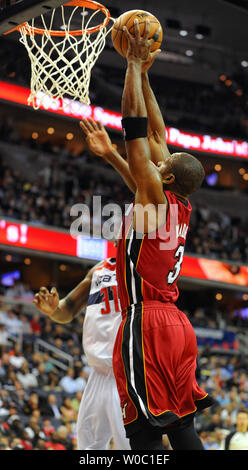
column 127, row 19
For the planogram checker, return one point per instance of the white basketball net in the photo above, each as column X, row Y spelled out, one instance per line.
column 61, row 66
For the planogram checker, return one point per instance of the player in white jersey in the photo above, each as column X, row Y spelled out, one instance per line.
column 99, row 416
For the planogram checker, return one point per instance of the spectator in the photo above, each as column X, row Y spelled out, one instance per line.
column 58, row 343
column 13, row 324
column 10, row 379
column 75, row 402
column 3, row 314
column 13, row 415
column 4, row 446
column 19, row 396
column 75, row 351
column 4, row 408
column 4, row 429
column 16, row 357
column 61, row 333
column 34, row 432
column 26, row 378
column 4, row 364
column 40, row 444
column 25, row 441
column 68, row 383
column 35, row 323
column 5, row 401
column 238, row 439
column 49, row 367
column 26, row 328
column 53, row 443
column 15, row 444
column 41, row 376
column 15, row 291
column 214, row 423
column 63, row 438
column 36, row 414
column 51, row 408
column 81, row 381
column 32, row 404
column 36, row 359
column 27, row 292
column 53, row 382
column 16, row 426
column 68, row 413
column 47, row 427
column 219, row 435
column 209, row 441
column 3, row 338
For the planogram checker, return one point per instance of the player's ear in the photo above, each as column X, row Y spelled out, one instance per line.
column 169, row 178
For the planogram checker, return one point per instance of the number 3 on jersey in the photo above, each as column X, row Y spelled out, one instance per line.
column 105, row 291
column 172, row 276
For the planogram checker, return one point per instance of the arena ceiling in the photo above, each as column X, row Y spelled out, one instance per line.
column 221, row 50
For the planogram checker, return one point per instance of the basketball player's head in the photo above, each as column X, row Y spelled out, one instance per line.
column 181, row 173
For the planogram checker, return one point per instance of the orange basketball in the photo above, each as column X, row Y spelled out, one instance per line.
column 127, row 19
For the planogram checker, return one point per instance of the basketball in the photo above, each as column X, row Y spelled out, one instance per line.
column 127, row 19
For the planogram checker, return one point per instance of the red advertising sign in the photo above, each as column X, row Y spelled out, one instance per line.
column 61, row 242
column 213, row 270
column 53, row 241
column 36, row 238
column 175, row 137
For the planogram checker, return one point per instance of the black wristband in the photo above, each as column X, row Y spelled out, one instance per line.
column 134, row 127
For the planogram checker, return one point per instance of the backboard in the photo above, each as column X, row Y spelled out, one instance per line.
column 15, row 12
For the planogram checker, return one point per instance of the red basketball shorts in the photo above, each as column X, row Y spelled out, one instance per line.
column 154, row 362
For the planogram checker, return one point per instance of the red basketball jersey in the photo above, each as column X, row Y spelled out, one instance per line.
column 148, row 266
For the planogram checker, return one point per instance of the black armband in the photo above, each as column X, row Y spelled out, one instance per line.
column 134, row 127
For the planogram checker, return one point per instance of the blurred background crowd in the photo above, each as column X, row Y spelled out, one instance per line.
column 41, row 390
column 200, row 80
column 45, row 194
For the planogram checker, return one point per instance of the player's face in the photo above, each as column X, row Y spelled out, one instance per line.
column 164, row 166
column 165, row 169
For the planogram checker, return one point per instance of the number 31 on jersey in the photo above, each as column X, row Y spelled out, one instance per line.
column 108, row 293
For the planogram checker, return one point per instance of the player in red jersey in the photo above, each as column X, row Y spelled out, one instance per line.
column 155, row 351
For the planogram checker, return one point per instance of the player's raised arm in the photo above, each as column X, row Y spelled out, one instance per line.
column 100, row 144
column 64, row 310
column 156, row 126
column 146, row 175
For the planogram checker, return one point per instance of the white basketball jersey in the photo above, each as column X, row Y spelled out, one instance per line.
column 103, row 316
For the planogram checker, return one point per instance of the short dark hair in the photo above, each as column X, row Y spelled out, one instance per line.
column 188, row 171
column 245, row 411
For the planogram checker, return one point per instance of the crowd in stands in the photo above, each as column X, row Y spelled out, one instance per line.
column 187, row 105
column 39, row 400
column 47, row 200
column 217, row 234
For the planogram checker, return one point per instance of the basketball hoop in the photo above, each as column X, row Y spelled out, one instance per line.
column 62, row 59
